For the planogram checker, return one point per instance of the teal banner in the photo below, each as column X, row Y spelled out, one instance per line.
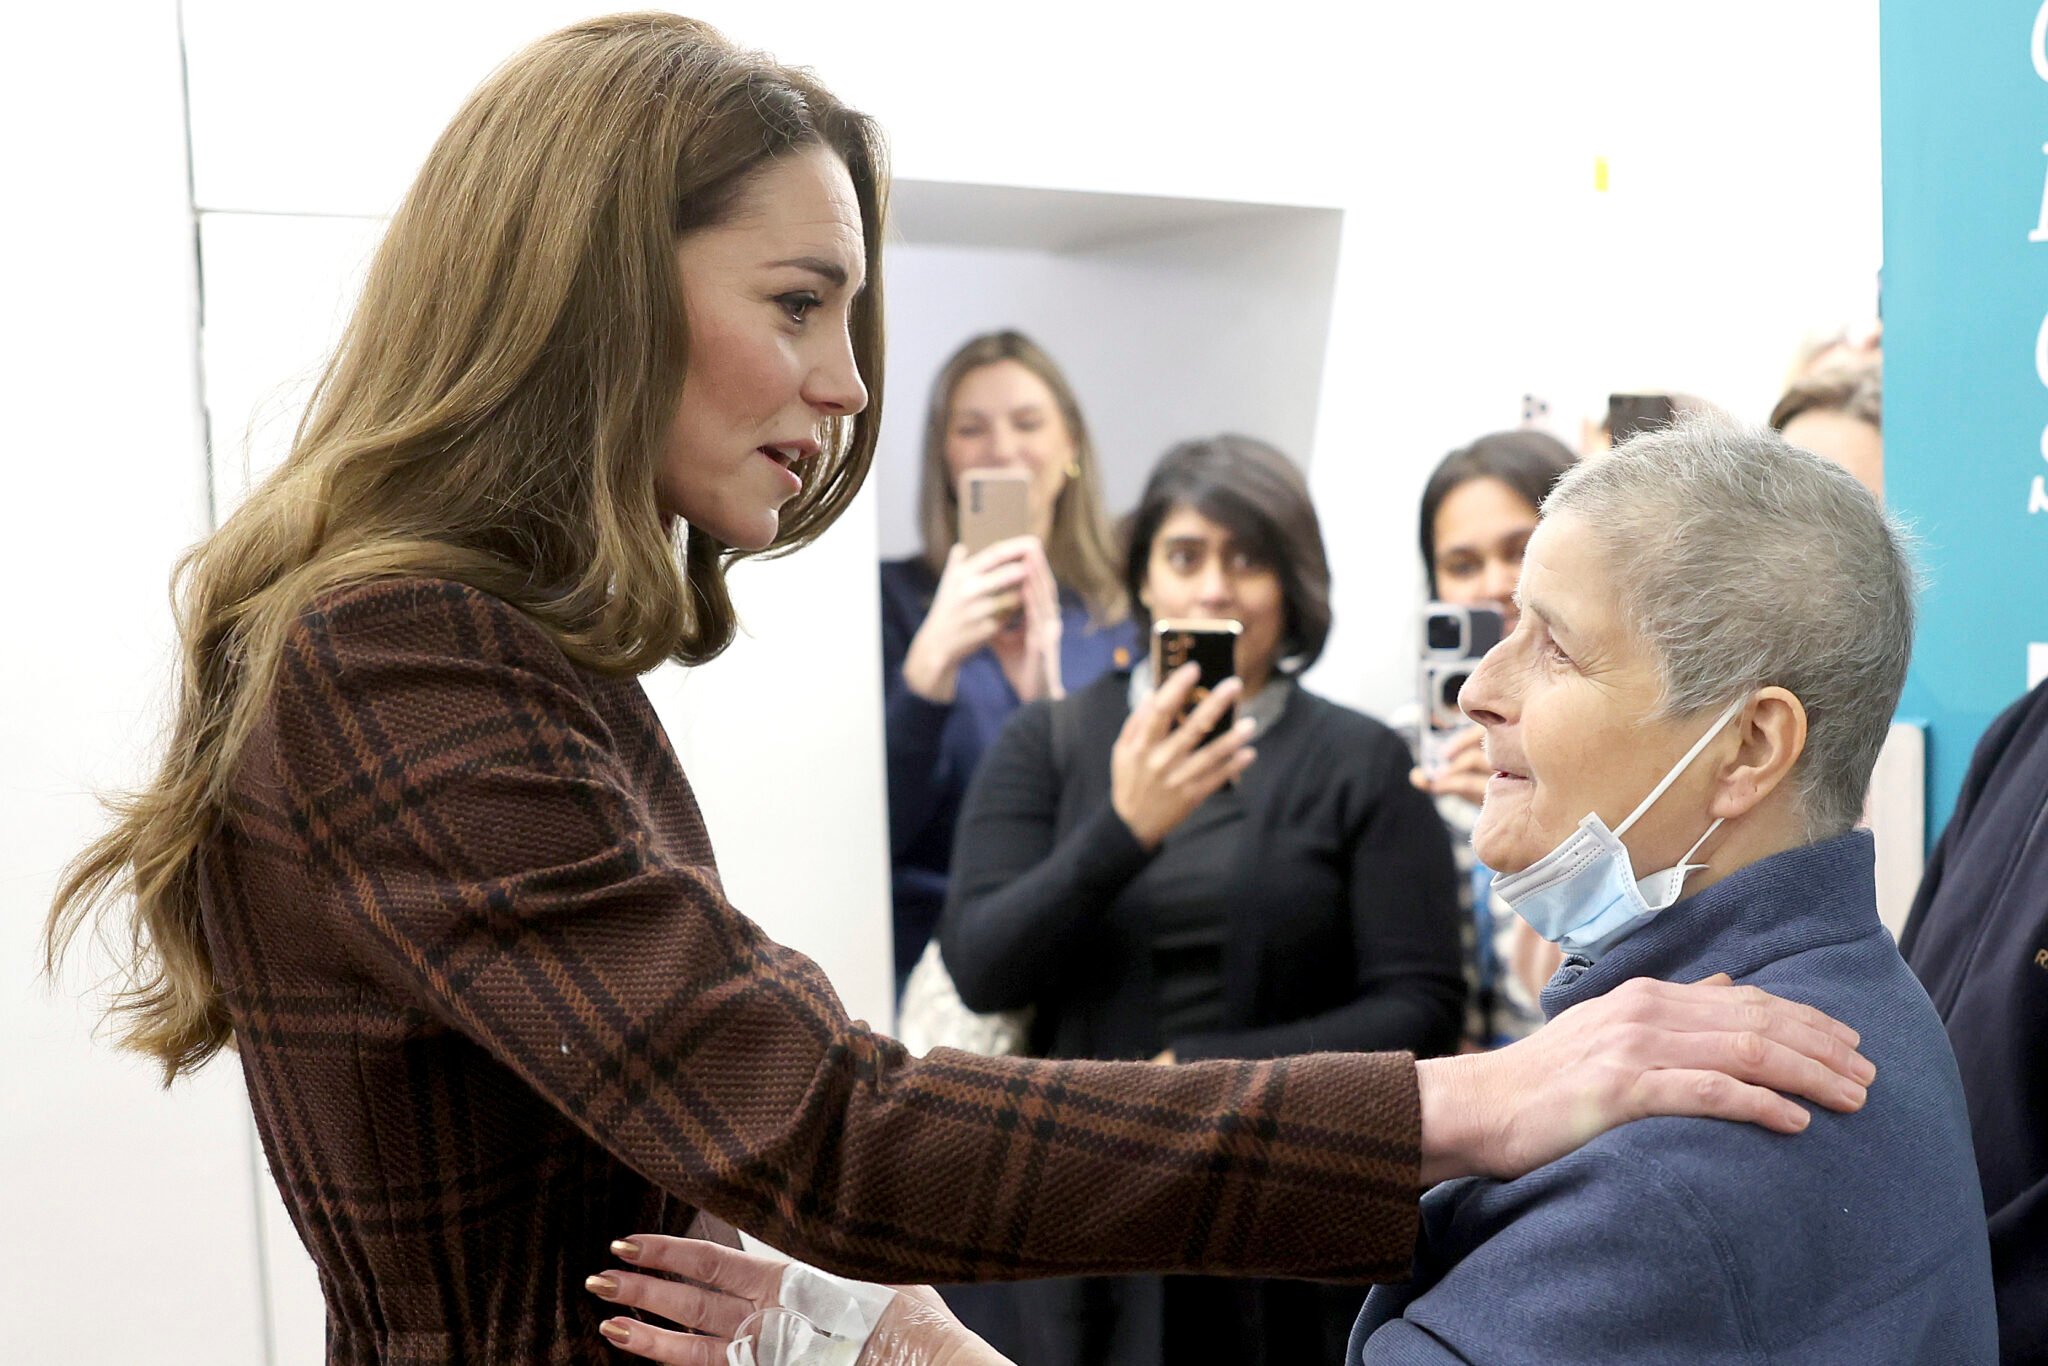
column 1965, row 93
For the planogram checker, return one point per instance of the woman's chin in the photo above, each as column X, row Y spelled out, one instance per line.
column 750, row 533
column 1496, row 847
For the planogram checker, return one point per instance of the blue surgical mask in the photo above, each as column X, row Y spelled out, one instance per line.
column 1584, row 896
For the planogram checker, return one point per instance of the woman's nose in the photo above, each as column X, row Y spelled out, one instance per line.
column 834, row 385
column 1486, row 696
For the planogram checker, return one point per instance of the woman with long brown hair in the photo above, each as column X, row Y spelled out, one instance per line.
column 419, row 849
column 969, row 638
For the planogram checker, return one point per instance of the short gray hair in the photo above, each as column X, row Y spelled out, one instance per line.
column 1748, row 563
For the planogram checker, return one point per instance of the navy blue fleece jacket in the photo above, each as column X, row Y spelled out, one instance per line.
column 1859, row 1241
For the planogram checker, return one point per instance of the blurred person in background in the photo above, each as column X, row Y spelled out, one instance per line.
column 1852, row 345
column 1302, row 903
column 1837, row 412
column 967, row 639
column 1978, row 939
column 1630, row 413
column 1479, row 509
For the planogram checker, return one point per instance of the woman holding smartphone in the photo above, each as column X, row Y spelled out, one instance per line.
column 420, row 852
column 1302, row 903
column 969, row 637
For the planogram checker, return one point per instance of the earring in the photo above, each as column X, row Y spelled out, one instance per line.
column 1073, row 469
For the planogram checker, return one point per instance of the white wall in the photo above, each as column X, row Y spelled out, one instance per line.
column 1166, row 333
column 127, row 1223
column 1476, row 263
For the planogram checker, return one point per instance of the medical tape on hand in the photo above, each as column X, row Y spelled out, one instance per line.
column 822, row 1320
column 843, row 1308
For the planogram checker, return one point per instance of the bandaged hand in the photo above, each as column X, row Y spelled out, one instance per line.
column 742, row 1309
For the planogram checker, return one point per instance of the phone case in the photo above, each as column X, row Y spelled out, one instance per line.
column 995, row 505
column 1212, row 645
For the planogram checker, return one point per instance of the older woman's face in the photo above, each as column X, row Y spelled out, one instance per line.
column 769, row 296
column 1197, row 568
column 1567, row 702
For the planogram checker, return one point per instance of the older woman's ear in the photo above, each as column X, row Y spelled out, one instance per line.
column 1771, row 735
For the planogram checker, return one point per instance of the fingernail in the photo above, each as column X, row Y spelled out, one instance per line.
column 1855, row 1095
column 616, row 1330
column 603, row 1286
column 1800, row 1118
column 1864, row 1070
column 626, row 1248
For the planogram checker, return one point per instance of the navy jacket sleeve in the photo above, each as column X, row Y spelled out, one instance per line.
column 1022, row 896
column 1976, row 927
column 912, row 726
column 1983, row 762
column 1545, row 1287
column 1403, row 901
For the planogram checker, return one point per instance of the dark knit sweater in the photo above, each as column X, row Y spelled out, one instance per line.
column 1342, row 906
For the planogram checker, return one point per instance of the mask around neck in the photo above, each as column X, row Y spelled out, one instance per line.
column 1584, row 895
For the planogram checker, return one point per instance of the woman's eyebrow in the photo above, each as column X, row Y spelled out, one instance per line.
column 1556, row 624
column 828, row 270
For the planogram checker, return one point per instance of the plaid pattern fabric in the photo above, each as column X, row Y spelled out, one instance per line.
column 494, row 1011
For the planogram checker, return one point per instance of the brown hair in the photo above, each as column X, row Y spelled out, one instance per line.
column 1856, row 390
column 494, row 413
column 1253, row 491
column 1081, row 547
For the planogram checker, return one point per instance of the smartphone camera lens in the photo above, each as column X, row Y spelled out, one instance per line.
column 1448, row 690
column 1445, row 631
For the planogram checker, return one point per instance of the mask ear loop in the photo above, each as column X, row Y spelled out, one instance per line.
column 1686, row 862
column 1677, row 771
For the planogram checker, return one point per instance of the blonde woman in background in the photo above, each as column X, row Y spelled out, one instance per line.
column 967, row 639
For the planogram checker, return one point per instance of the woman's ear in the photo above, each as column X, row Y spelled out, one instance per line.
column 1771, row 734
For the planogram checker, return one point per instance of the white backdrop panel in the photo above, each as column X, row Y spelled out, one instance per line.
column 1164, row 336
column 127, row 1224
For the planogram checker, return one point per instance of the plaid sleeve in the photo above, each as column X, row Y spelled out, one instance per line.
column 491, row 861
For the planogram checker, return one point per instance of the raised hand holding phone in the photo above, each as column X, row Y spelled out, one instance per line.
column 1163, row 767
column 976, row 595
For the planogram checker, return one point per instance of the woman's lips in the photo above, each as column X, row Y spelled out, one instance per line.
column 782, row 461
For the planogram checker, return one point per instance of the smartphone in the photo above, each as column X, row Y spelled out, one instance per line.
column 1628, row 414
column 1212, row 645
column 1454, row 639
column 995, row 505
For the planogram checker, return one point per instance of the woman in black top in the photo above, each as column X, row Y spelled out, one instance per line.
column 1146, row 906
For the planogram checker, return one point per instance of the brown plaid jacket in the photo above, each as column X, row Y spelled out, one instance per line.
column 495, row 1011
